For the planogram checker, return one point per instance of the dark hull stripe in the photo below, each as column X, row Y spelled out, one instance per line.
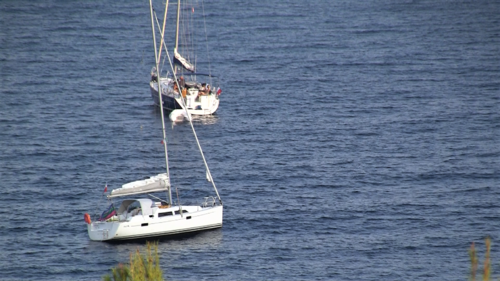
column 169, row 103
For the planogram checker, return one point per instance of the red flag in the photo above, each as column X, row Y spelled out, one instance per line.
column 219, row 91
column 105, row 188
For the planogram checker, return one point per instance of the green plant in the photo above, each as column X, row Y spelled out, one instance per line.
column 474, row 261
column 141, row 268
column 119, row 273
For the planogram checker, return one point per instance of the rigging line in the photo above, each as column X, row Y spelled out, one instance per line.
column 185, row 38
column 189, row 31
column 159, row 198
column 206, row 40
column 190, row 122
column 191, row 26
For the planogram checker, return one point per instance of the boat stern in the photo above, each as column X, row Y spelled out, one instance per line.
column 102, row 231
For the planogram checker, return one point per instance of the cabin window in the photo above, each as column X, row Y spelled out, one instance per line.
column 183, row 211
column 164, row 214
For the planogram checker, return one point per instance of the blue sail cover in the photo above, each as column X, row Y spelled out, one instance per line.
column 178, row 59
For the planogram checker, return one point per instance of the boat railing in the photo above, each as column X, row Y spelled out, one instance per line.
column 209, row 202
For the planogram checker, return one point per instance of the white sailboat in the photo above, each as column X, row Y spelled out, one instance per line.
column 185, row 88
column 139, row 218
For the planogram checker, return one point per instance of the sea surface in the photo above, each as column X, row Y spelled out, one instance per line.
column 355, row 140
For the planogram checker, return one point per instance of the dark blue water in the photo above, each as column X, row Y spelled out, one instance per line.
column 356, row 140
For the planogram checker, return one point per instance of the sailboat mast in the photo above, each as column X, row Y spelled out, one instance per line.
column 177, row 26
column 162, row 31
column 161, row 102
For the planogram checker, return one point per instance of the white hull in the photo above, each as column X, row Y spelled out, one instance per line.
column 208, row 105
column 127, row 227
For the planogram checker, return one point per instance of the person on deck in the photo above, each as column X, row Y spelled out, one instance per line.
column 202, row 89
column 182, row 83
column 205, row 89
column 154, row 78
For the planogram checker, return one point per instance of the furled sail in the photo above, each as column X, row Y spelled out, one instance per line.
column 178, row 59
column 156, row 183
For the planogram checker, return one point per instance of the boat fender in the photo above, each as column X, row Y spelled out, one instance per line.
column 87, row 218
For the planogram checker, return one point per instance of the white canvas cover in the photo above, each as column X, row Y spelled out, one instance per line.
column 182, row 61
column 156, row 183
